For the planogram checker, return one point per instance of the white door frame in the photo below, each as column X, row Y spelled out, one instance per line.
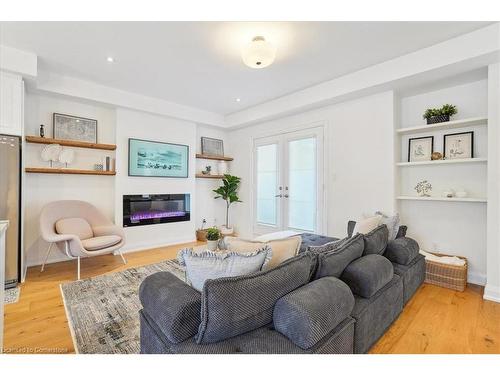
column 314, row 129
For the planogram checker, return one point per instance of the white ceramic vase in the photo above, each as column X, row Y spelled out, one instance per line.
column 212, row 245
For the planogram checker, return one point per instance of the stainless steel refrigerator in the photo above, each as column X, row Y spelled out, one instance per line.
column 10, row 205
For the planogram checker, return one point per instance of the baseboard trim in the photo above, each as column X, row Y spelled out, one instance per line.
column 492, row 293
column 476, row 278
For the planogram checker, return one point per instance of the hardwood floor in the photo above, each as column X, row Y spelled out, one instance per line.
column 436, row 320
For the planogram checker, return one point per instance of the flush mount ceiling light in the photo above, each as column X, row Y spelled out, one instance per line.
column 258, row 53
column 110, row 59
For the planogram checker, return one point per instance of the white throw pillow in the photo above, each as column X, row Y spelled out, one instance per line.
column 392, row 223
column 206, row 265
column 366, row 225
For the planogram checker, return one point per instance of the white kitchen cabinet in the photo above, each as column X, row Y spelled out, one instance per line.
column 11, row 104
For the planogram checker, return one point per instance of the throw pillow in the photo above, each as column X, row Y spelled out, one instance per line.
column 376, row 240
column 392, row 223
column 206, row 265
column 282, row 249
column 333, row 263
column 366, row 225
column 75, row 225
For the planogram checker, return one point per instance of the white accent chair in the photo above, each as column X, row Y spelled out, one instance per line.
column 80, row 230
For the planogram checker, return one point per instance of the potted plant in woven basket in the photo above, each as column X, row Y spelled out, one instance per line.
column 213, row 236
column 443, row 114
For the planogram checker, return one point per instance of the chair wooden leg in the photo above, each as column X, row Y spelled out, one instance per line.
column 123, row 258
column 78, row 268
column 46, row 256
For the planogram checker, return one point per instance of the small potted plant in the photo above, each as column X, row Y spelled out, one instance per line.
column 228, row 192
column 213, row 236
column 443, row 114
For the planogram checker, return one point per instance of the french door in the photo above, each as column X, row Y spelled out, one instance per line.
column 288, row 182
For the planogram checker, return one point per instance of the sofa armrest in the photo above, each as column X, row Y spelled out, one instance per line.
column 172, row 304
column 402, row 250
column 309, row 313
column 368, row 274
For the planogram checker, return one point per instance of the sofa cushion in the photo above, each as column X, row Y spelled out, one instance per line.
column 402, row 250
column 201, row 266
column 101, row 242
column 75, row 225
column 235, row 305
column 309, row 313
column 376, row 240
column 333, row 263
column 172, row 304
column 366, row 275
column 311, row 239
column 282, row 249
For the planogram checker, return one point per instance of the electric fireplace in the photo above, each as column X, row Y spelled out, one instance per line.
column 148, row 209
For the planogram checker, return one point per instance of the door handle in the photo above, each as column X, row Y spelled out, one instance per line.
column 279, row 196
column 286, row 195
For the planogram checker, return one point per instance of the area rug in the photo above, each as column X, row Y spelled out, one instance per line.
column 103, row 311
column 11, row 295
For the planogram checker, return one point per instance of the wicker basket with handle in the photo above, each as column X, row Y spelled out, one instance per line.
column 446, row 275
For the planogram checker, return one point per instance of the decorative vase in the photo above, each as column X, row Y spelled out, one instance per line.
column 438, row 119
column 212, row 245
column 42, row 131
column 436, row 156
column 226, row 231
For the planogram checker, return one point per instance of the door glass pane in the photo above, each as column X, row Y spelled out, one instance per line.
column 267, row 181
column 302, row 184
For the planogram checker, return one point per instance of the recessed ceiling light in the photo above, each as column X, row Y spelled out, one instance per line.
column 110, row 59
column 238, row 100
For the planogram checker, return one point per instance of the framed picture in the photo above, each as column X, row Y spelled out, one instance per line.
column 74, row 128
column 459, row 145
column 157, row 159
column 420, row 149
column 212, row 146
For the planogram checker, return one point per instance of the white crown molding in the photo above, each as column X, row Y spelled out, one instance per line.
column 476, row 48
column 18, row 62
column 78, row 88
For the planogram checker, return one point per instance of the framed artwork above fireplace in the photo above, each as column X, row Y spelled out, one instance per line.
column 157, row 159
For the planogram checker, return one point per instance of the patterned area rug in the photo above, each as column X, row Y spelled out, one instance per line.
column 12, row 295
column 103, row 312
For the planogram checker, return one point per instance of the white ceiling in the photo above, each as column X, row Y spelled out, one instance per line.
column 198, row 63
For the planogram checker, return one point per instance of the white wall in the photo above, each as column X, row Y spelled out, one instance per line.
column 134, row 124
column 208, row 208
column 457, row 228
column 41, row 189
column 359, row 165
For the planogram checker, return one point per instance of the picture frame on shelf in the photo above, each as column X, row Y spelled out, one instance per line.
column 157, row 159
column 420, row 149
column 458, row 145
column 74, row 128
column 212, row 146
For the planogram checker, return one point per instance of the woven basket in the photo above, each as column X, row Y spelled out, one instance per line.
column 446, row 275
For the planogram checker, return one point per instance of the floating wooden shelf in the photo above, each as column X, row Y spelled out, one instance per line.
column 443, row 199
column 441, row 162
column 444, row 125
column 213, row 157
column 199, row 175
column 66, row 142
column 69, row 171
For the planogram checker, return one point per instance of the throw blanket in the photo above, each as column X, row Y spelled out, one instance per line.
column 452, row 260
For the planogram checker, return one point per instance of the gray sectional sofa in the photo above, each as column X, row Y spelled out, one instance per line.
column 334, row 297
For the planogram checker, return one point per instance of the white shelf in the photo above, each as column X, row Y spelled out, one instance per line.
column 441, row 199
column 444, row 125
column 441, row 162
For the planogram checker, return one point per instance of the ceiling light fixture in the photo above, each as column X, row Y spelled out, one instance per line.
column 258, row 53
column 238, row 100
column 110, row 59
